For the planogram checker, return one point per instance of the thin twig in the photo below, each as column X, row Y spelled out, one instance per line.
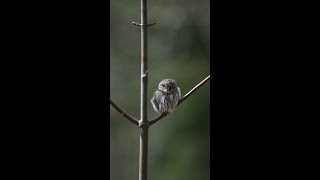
column 136, row 24
column 123, row 113
column 152, row 24
column 154, row 120
column 193, row 90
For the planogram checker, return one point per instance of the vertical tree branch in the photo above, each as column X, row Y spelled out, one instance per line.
column 143, row 124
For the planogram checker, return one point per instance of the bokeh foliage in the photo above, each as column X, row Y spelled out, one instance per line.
column 178, row 48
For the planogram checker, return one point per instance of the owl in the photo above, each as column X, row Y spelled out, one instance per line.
column 166, row 97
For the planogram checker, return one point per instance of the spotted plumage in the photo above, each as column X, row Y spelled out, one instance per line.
column 166, row 97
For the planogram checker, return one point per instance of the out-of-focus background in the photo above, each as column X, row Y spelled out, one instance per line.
column 178, row 48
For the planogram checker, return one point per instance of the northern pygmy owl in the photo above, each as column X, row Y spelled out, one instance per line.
column 166, row 97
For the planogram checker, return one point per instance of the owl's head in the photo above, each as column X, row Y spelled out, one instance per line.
column 167, row 85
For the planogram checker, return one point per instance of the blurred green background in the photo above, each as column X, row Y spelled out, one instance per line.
column 178, row 48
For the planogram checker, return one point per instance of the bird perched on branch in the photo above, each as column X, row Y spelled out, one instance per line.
column 166, row 97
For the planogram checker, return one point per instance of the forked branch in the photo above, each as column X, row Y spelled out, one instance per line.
column 154, row 120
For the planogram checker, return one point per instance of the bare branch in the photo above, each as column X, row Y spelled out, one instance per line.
column 123, row 113
column 143, row 124
column 193, row 90
column 136, row 24
column 154, row 120
column 152, row 24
